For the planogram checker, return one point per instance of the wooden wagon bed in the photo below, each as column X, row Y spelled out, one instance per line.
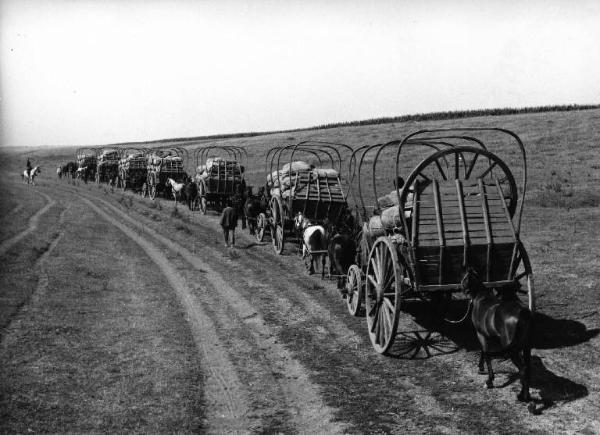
column 459, row 222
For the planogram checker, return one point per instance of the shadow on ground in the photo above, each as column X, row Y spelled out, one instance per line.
column 435, row 337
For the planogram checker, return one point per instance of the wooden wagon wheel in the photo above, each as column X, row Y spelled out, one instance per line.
column 277, row 237
column 152, row 186
column 467, row 163
column 261, row 226
column 354, row 288
column 123, row 180
column 384, row 288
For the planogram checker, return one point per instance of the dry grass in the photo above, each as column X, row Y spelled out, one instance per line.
column 106, row 349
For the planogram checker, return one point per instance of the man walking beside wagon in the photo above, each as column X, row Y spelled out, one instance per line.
column 228, row 222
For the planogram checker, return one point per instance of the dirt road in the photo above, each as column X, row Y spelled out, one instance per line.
column 246, row 341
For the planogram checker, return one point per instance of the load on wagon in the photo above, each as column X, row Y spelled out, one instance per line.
column 313, row 189
column 133, row 170
column 162, row 164
column 86, row 164
column 220, row 176
column 107, row 165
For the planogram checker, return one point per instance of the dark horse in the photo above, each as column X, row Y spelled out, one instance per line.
column 342, row 247
column 342, row 252
column 254, row 206
column 190, row 193
column 503, row 325
column 69, row 170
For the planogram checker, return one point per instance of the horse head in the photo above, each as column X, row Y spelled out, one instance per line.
column 471, row 283
column 300, row 222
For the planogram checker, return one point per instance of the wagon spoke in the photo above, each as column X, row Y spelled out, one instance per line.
column 375, row 270
column 374, row 316
column 388, row 318
column 439, row 167
column 388, row 304
column 471, row 165
column 383, row 333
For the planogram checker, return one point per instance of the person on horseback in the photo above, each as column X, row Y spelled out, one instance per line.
column 28, row 168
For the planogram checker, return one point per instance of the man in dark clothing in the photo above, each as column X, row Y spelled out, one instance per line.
column 28, row 167
column 228, row 222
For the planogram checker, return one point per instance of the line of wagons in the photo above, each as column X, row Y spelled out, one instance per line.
column 417, row 211
column 147, row 171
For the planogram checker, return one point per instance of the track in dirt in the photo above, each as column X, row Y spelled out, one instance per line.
column 226, row 393
column 33, row 224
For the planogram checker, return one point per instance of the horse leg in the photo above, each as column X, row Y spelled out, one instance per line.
column 485, row 355
column 480, row 365
column 488, row 362
column 322, row 266
column 524, row 395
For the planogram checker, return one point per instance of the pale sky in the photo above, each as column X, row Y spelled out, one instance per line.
column 94, row 72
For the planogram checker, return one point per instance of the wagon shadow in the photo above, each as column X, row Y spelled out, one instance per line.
column 550, row 333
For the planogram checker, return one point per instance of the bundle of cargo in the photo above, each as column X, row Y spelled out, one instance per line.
column 108, row 157
column 217, row 167
column 133, row 161
column 86, row 160
column 301, row 179
column 389, row 218
column 165, row 163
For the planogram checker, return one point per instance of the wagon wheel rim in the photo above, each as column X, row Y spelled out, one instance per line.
column 277, row 234
column 383, row 290
column 524, row 277
column 354, row 286
column 468, row 163
column 261, row 223
column 152, row 187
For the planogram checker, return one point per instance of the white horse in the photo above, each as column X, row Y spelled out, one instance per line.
column 314, row 242
column 30, row 178
column 176, row 188
column 59, row 172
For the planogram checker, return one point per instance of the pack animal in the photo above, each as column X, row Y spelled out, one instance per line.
column 254, row 206
column 341, row 250
column 314, row 242
column 176, row 188
column 82, row 173
column 190, row 193
column 503, row 325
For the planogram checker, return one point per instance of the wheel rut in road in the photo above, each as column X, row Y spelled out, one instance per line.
column 303, row 402
column 33, row 224
column 226, row 398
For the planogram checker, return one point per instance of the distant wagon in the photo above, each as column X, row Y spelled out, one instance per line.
column 458, row 207
column 133, row 170
column 86, row 164
column 163, row 164
column 107, row 167
column 219, row 175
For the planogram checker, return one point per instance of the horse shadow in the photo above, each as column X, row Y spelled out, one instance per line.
column 437, row 337
column 552, row 388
